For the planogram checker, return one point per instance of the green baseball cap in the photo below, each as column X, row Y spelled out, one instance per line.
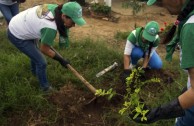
column 151, row 2
column 151, row 31
column 74, row 11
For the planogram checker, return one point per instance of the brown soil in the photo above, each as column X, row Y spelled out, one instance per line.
column 74, row 110
column 102, row 29
column 72, row 101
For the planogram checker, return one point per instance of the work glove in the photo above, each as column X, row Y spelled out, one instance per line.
column 126, row 73
column 61, row 60
column 145, row 69
column 167, row 111
column 143, row 73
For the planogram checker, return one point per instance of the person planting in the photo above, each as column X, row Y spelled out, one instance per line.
column 142, row 43
column 42, row 22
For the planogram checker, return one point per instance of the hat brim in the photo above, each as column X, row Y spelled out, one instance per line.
column 148, row 37
column 151, row 2
column 79, row 21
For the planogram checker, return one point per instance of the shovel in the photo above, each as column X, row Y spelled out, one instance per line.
column 85, row 82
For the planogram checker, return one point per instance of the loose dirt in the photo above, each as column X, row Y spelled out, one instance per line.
column 74, row 110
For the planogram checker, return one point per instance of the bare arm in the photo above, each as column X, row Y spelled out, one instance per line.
column 127, row 60
column 187, row 99
column 145, row 61
column 127, row 54
column 45, row 49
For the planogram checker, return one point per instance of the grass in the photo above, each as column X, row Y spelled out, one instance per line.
column 19, row 90
column 121, row 35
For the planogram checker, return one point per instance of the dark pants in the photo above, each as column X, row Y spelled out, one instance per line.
column 38, row 61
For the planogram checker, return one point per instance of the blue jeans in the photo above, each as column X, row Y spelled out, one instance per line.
column 38, row 61
column 188, row 119
column 9, row 11
column 154, row 63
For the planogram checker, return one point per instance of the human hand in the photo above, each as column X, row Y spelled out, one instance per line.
column 145, row 69
column 126, row 73
column 64, row 63
column 61, row 60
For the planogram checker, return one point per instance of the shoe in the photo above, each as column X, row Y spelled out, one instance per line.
column 49, row 90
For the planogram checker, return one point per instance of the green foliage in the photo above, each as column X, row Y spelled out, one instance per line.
column 133, row 103
column 110, row 93
column 101, row 8
column 132, row 100
column 136, row 5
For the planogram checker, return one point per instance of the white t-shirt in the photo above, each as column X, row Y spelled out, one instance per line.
column 27, row 25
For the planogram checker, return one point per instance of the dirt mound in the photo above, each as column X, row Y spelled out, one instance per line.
column 74, row 107
column 74, row 110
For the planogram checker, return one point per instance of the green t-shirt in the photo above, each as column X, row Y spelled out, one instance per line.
column 48, row 35
column 187, row 45
column 135, row 37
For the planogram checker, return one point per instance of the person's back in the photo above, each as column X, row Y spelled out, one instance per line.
column 27, row 25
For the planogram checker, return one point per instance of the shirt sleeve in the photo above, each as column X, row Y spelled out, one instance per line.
column 128, row 48
column 132, row 37
column 187, row 45
column 48, row 35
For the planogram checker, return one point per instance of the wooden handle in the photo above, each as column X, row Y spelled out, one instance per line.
column 86, row 83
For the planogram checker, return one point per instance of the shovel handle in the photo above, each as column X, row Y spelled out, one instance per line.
column 86, row 83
